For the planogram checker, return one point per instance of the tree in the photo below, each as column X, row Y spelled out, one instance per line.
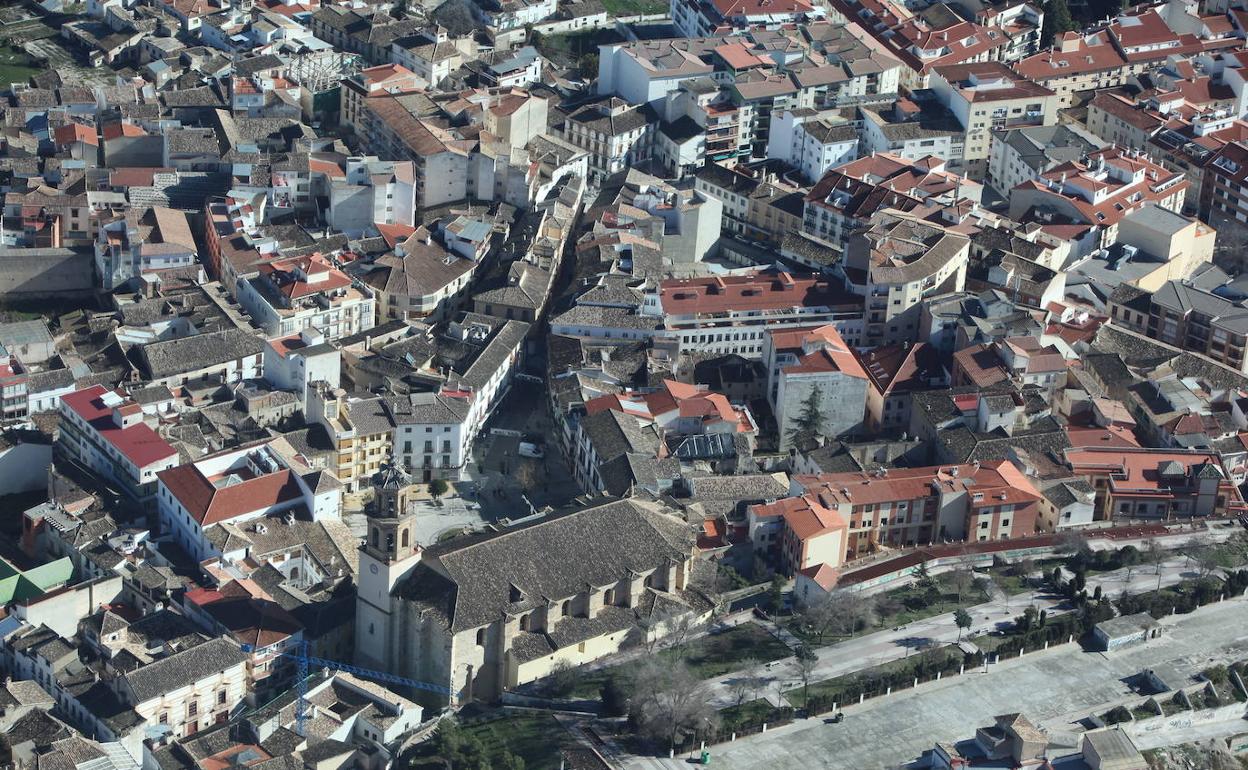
column 806, row 662
column 1057, row 20
column 1072, row 542
column 615, row 694
column 459, row 749
column 512, row 761
column 961, row 619
column 437, row 488
column 1028, row 620
column 1023, row 567
column 1155, row 555
column 808, row 424
column 669, row 701
column 562, row 679
column 775, row 594
column 923, row 577
column 588, row 66
column 839, row 612
column 960, row 580
column 1206, row 556
column 744, row 686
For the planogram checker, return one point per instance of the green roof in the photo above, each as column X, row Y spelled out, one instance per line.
column 18, row 586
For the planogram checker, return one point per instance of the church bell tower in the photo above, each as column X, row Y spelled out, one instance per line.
column 388, row 554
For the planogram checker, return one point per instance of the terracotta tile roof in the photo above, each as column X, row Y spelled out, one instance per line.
column 121, row 129
column 993, row 479
column 901, row 368
column 76, row 132
column 1090, row 437
column 823, row 575
column 209, row 504
column 743, row 293
column 285, row 276
column 980, row 365
column 135, row 177
column 138, row 443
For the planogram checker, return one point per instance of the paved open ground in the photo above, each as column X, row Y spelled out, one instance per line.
column 882, row 646
column 1054, row 688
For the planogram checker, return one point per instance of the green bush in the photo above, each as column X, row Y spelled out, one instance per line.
column 1117, row 715
column 1216, row 674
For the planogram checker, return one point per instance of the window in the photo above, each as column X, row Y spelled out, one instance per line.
column 567, row 608
column 192, row 708
column 983, row 525
column 524, row 622
column 220, row 697
column 164, row 717
column 480, row 637
column 404, row 539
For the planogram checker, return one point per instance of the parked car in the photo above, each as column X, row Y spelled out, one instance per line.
column 531, row 450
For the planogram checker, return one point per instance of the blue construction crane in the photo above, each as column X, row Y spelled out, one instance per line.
column 303, row 660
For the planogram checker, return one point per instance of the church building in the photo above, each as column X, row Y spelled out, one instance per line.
column 488, row 612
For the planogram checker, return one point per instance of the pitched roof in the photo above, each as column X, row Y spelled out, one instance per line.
column 138, row 443
column 474, row 582
column 182, row 668
column 208, row 503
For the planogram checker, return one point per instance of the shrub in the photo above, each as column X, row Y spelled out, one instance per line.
column 614, row 697
column 1216, row 674
column 1117, row 715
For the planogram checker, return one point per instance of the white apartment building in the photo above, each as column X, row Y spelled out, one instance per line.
column 430, row 438
column 104, row 432
column 236, row 486
column 811, row 143
column 373, row 192
column 296, row 361
column 294, row 294
column 188, row 691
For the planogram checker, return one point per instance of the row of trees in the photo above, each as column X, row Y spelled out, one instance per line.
column 871, row 682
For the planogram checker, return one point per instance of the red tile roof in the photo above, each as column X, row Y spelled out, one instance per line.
column 823, row 575
column 1112, row 436
column 76, row 132
column 394, row 234
column 208, row 504
column 901, row 368
column 828, row 352
column 980, row 365
column 858, row 488
column 282, row 273
column 138, row 443
column 743, row 293
column 248, row 613
column 1135, row 471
